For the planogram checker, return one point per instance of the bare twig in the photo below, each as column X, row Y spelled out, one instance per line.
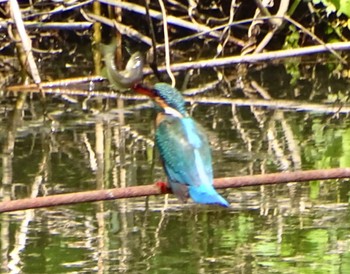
column 64, row 7
column 171, row 19
column 276, row 23
column 251, row 58
column 272, row 104
column 275, row 104
column 166, row 43
column 51, row 25
column 26, row 42
column 123, row 29
column 227, row 30
column 148, row 190
column 154, row 63
column 313, row 36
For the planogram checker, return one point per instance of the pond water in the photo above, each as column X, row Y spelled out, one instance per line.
column 292, row 228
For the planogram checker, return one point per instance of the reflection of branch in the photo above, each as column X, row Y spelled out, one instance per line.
column 293, row 147
column 148, row 190
column 23, row 231
column 240, row 129
column 275, row 144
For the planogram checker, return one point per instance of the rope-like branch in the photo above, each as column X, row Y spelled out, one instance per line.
column 148, row 190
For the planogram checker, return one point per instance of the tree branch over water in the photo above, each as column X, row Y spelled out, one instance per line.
column 148, row 190
column 60, row 88
column 26, row 42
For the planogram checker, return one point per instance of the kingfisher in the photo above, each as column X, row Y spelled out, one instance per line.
column 183, row 147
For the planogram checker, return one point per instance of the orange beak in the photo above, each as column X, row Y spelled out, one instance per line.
column 142, row 89
column 152, row 93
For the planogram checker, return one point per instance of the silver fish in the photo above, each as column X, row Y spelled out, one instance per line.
column 125, row 79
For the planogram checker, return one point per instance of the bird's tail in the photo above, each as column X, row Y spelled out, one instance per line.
column 206, row 194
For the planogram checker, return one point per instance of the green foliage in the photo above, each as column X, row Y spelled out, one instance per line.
column 337, row 13
column 326, row 147
column 292, row 40
column 344, row 160
column 292, row 64
column 335, row 6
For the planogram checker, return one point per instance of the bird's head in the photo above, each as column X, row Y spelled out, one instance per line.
column 169, row 99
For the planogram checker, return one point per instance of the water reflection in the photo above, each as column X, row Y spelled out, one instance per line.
column 294, row 228
column 178, row 239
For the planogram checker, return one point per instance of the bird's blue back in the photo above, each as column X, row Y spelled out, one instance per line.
column 186, row 157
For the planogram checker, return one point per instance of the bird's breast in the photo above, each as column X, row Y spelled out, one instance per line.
column 160, row 118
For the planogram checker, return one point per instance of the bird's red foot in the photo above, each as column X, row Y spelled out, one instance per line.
column 163, row 186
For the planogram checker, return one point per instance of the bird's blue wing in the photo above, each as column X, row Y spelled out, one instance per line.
column 185, row 151
column 186, row 157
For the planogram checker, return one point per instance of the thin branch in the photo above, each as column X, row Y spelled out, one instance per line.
column 148, row 190
column 275, row 104
column 171, row 19
column 26, row 42
column 226, row 33
column 64, row 7
column 272, row 104
column 123, row 29
column 275, row 22
column 251, row 58
column 50, row 25
column 154, row 63
column 313, row 36
column 166, row 43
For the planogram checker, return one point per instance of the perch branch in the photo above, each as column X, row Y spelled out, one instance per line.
column 148, row 190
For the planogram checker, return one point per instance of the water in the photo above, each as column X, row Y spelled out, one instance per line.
column 293, row 228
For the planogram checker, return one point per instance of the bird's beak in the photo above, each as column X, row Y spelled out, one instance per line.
column 142, row 89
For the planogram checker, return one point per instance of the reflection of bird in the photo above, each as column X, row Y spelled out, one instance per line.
column 183, row 147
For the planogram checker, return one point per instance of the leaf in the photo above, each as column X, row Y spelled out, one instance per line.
column 344, row 7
